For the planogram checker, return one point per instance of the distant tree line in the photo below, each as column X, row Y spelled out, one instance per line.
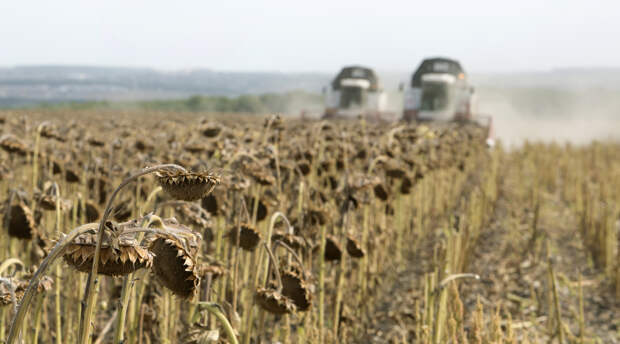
column 290, row 102
column 263, row 103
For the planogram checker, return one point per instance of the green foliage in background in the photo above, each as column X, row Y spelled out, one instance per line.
column 290, row 102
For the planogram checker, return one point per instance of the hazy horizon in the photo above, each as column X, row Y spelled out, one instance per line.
column 330, row 72
column 279, row 36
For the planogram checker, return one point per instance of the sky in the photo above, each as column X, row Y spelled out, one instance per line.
column 311, row 36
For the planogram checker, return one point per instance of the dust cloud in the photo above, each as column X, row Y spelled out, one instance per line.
column 575, row 116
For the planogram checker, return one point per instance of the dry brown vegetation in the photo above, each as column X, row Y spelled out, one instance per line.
column 269, row 229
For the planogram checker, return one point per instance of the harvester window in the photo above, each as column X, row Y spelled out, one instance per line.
column 441, row 67
column 434, row 97
column 358, row 73
column 351, row 97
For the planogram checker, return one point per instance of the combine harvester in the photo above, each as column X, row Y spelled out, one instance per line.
column 356, row 92
column 439, row 91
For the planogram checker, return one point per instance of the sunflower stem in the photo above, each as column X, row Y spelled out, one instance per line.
column 129, row 281
column 2, row 323
column 37, row 318
column 35, row 157
column 274, row 264
column 340, row 282
column 89, row 295
column 322, row 268
column 214, row 309
column 9, row 262
column 58, row 281
column 58, row 249
column 249, row 318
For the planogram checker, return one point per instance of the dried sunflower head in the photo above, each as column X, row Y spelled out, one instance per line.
column 174, row 266
column 48, row 130
column 212, row 204
column 395, row 168
column 304, row 167
column 5, row 171
column 46, row 200
column 215, row 269
column 406, row 185
column 235, row 182
column 210, row 129
column 380, row 192
column 92, row 211
column 190, row 239
column 274, row 122
column 194, row 215
column 95, row 141
column 261, row 211
column 293, row 241
column 187, row 186
column 333, row 251
column 296, row 288
column 361, row 153
column 122, row 210
column 317, row 216
column 115, row 260
column 71, row 174
column 360, row 181
column 45, row 284
column 195, row 147
column 260, row 174
column 249, row 238
column 143, row 145
column 21, row 222
column 354, row 248
column 12, row 144
column 325, row 166
column 273, row 301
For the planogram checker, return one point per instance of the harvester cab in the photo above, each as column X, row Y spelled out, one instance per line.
column 439, row 91
column 355, row 92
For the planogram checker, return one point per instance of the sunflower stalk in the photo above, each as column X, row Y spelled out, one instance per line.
column 37, row 318
column 10, row 262
column 89, row 294
column 2, row 323
column 322, row 268
column 275, row 266
column 249, row 317
column 58, row 281
column 340, row 283
column 215, row 309
column 17, row 322
column 128, row 283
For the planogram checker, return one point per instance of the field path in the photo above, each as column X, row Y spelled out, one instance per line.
column 513, row 261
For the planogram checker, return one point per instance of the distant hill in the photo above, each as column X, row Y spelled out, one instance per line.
column 33, row 84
